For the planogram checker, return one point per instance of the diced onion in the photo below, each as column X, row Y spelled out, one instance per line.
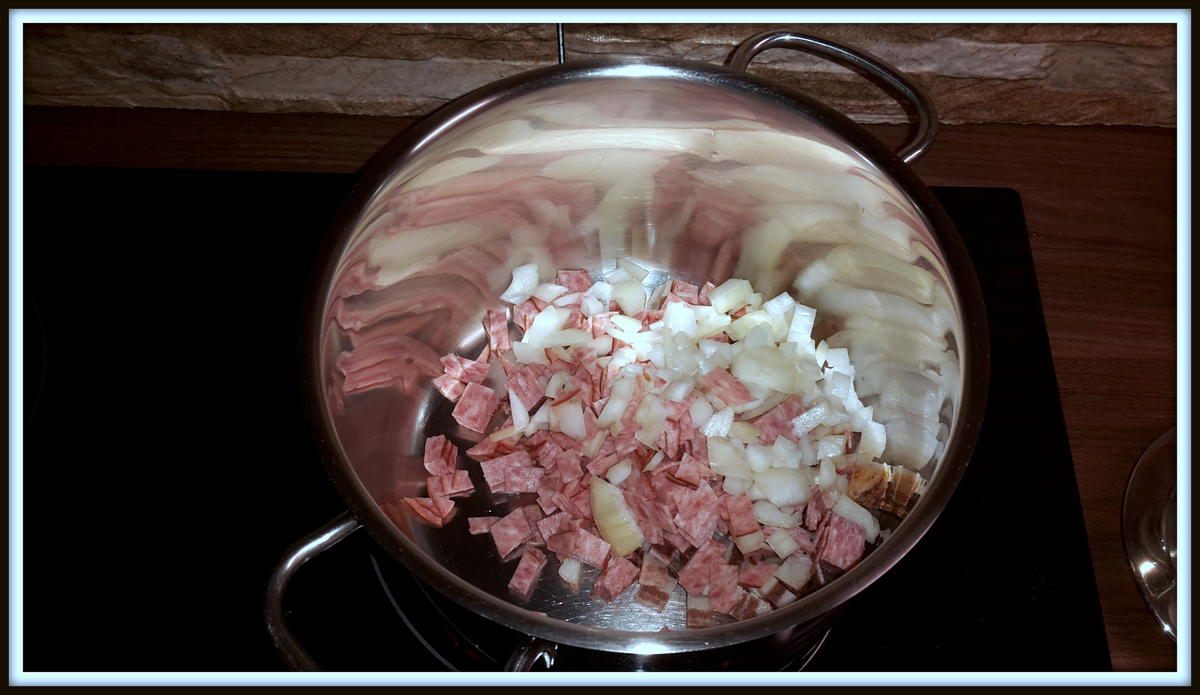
column 795, row 572
column 548, row 292
column 732, row 294
column 618, row 473
column 520, row 415
column 524, row 282
column 718, row 425
column 570, row 419
column 571, row 571
column 749, row 542
column 614, row 521
column 568, row 337
column 782, row 543
column 770, row 515
column 780, row 305
column 744, row 431
column 851, row 511
column 529, row 354
column 784, row 487
column 630, row 296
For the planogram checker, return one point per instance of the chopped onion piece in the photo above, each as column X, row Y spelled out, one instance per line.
column 784, row 487
column 770, row 515
column 780, row 305
column 809, row 419
column 630, row 296
column 590, row 306
column 524, row 282
column 735, row 485
column 600, row 290
column 831, row 445
column 593, row 445
column 680, row 318
column 759, row 457
column 795, row 572
column 548, row 322
column 766, row 367
column 570, row 419
column 548, row 291
column 618, row 400
column 744, row 431
column 619, row 472
column 529, row 354
column 568, row 337
column 614, row 521
column 800, row 330
column 602, row 345
column 635, row 271
column 827, row 477
column 782, row 543
column 851, row 511
column 558, row 381
column 520, row 415
column 731, row 295
column 718, row 425
column 571, row 571
column 701, row 410
column 568, row 299
column 750, row 542
column 785, row 454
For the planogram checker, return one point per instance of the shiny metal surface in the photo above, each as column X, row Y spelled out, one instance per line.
column 695, row 171
column 1149, row 528
column 324, row 538
column 916, row 98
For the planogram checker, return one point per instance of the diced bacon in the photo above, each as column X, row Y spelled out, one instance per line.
column 485, row 449
column 777, row 421
column 554, row 524
column 699, row 612
column 456, row 484
column 449, row 387
column 567, row 465
column 475, row 407
column 524, row 479
column 843, row 544
column 464, row 369
column 741, row 515
column 478, row 525
column 698, row 514
column 589, row 549
column 600, row 465
column 655, row 583
column 776, row 593
column 601, row 323
column 724, row 386
column 755, row 574
column 686, row 291
column 495, row 470
column 704, row 293
column 816, row 508
column 688, row 472
column 529, row 389
column 510, row 532
column 523, row 315
column 723, row 590
column 495, row 324
column 694, row 575
column 533, row 515
column 562, row 544
column 546, row 502
column 582, row 501
column 574, row 280
column 806, row 541
column 441, row 456
column 529, row 569
column 751, row 606
column 618, row 575
column 431, row 511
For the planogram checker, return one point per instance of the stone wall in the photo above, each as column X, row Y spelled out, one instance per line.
column 975, row 73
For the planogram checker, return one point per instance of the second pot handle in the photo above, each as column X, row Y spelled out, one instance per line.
column 301, row 552
column 926, row 114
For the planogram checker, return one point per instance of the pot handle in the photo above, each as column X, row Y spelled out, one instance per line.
column 530, row 652
column 301, row 552
column 862, row 61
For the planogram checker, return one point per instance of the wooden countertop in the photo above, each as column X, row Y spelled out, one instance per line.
column 1100, row 203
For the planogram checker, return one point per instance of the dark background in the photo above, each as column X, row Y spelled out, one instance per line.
column 168, row 457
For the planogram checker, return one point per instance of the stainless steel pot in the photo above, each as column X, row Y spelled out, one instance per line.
column 694, row 171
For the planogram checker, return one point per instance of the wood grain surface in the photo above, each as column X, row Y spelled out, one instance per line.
column 1100, row 203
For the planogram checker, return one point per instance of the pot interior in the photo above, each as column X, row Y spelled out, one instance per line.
column 698, row 177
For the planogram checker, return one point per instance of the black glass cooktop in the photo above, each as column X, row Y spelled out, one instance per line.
column 168, row 460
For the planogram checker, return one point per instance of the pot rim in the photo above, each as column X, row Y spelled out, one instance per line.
column 962, row 438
